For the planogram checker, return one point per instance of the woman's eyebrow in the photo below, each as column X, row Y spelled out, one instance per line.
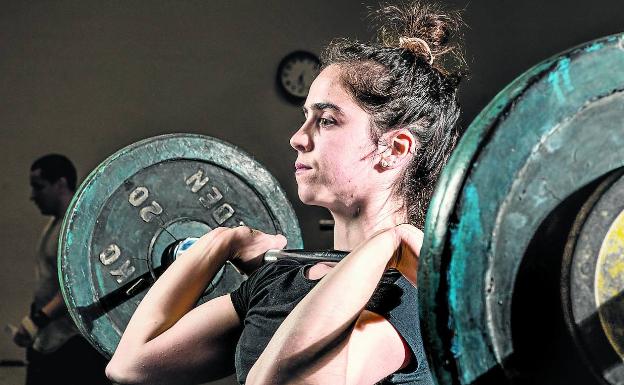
column 323, row 106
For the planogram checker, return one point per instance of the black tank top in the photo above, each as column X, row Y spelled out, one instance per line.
column 265, row 299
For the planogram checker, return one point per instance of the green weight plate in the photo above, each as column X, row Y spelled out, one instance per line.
column 552, row 131
column 141, row 200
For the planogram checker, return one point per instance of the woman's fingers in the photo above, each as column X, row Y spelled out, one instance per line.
column 279, row 241
column 251, row 243
column 261, row 243
column 250, row 247
column 410, row 236
column 212, row 234
column 206, row 241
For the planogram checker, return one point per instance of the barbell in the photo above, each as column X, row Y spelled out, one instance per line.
column 522, row 269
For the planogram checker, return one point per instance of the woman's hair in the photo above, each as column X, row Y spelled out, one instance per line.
column 408, row 78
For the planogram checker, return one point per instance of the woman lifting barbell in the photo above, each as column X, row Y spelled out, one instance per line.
column 379, row 126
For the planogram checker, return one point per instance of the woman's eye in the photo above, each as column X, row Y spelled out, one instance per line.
column 324, row 122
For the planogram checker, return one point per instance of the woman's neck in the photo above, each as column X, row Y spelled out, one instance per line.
column 364, row 220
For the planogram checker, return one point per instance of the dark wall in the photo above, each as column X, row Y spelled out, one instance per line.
column 85, row 78
column 505, row 38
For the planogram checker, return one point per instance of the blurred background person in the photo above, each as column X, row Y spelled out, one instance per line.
column 55, row 351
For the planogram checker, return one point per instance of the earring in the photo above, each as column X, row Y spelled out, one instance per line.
column 385, row 163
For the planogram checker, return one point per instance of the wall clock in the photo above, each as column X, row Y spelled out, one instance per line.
column 295, row 74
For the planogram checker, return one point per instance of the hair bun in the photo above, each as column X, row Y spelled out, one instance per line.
column 425, row 28
column 418, row 46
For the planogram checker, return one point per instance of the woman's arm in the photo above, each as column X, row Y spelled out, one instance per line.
column 328, row 336
column 167, row 339
column 145, row 354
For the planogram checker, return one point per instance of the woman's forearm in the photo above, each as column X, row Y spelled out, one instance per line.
column 174, row 293
column 326, row 312
column 168, row 339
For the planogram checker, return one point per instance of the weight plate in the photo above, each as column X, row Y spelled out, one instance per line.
column 142, row 199
column 552, row 131
column 593, row 281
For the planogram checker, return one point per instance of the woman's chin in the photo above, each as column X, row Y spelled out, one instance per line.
column 306, row 197
column 309, row 197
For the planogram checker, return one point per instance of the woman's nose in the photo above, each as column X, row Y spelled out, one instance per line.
column 301, row 140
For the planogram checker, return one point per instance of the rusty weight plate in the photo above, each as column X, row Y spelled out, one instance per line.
column 552, row 132
column 144, row 198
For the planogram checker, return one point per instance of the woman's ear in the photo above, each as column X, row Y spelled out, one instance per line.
column 404, row 143
column 401, row 146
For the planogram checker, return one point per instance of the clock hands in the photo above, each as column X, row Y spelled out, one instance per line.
column 300, row 82
column 295, row 73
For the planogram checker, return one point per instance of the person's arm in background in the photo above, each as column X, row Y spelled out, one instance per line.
column 328, row 338
column 39, row 319
column 168, row 340
column 55, row 307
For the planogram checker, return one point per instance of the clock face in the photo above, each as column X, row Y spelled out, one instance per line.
column 296, row 73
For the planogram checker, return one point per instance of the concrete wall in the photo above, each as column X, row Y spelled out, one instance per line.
column 85, row 78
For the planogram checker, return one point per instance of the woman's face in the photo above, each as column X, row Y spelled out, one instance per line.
column 334, row 166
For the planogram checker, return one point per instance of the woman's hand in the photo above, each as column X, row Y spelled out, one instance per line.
column 409, row 240
column 247, row 247
column 399, row 246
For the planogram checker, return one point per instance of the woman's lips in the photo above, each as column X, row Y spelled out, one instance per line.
column 300, row 168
